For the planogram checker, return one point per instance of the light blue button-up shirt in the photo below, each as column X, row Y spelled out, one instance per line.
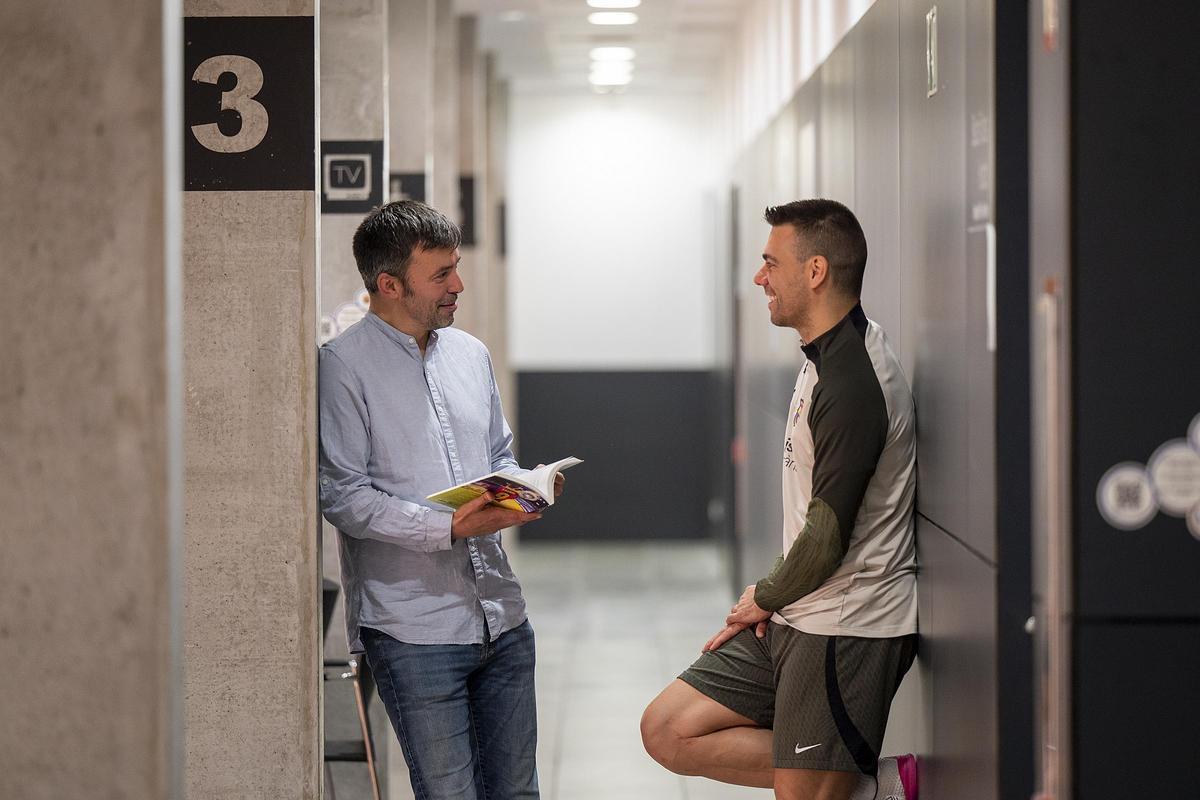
column 397, row 426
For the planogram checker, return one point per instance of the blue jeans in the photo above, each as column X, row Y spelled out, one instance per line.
column 464, row 713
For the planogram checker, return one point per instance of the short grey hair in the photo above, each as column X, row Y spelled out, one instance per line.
column 388, row 235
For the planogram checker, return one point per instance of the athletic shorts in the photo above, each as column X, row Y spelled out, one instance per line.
column 825, row 697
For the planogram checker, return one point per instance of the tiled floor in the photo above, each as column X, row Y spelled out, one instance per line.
column 615, row 624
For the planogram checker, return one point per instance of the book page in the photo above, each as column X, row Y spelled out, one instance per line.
column 542, row 478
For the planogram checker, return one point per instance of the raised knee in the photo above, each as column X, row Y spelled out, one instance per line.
column 661, row 743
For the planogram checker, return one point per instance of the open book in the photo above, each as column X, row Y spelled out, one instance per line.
column 530, row 492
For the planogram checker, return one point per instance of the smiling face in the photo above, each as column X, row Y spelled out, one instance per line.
column 433, row 287
column 785, row 279
column 428, row 296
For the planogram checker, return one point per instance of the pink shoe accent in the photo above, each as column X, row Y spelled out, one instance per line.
column 907, row 766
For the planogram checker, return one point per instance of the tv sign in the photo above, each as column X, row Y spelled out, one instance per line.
column 351, row 176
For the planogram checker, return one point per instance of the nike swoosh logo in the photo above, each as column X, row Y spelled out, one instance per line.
column 800, row 749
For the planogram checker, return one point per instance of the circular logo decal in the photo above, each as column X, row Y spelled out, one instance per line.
column 1174, row 470
column 347, row 314
column 1125, row 497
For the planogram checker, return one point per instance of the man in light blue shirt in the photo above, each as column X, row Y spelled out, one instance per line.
column 408, row 407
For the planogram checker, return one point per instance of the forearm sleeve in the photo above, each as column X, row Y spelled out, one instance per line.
column 812, row 559
column 349, row 499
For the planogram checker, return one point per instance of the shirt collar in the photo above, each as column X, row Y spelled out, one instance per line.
column 856, row 315
column 405, row 340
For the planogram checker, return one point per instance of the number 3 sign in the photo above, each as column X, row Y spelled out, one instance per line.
column 249, row 107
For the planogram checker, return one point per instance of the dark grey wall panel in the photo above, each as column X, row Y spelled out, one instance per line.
column 1135, row 292
column 958, row 648
column 1136, row 698
column 1013, row 485
column 647, row 443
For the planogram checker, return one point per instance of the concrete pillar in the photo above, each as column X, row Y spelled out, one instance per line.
column 410, row 97
column 252, row 619
column 443, row 171
column 354, row 108
column 475, row 314
column 90, row 444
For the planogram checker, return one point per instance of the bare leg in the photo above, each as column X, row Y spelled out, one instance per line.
column 814, row 784
column 689, row 733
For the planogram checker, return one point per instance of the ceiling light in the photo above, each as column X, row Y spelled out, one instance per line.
column 614, row 3
column 612, row 54
column 612, row 18
column 512, row 16
column 609, row 80
column 611, row 73
column 612, row 68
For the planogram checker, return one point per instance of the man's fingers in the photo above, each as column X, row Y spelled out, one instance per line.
column 760, row 630
column 472, row 506
column 727, row 633
column 507, row 518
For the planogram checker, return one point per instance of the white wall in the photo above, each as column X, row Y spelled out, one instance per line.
column 610, row 237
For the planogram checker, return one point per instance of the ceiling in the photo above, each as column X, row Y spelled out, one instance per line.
column 545, row 43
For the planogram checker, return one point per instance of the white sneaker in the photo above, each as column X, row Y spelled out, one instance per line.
column 897, row 780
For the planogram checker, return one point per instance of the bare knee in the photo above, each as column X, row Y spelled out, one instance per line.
column 662, row 743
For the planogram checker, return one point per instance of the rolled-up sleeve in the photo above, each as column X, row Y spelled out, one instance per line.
column 349, row 499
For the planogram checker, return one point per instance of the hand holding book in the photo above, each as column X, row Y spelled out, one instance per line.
column 529, row 493
column 480, row 516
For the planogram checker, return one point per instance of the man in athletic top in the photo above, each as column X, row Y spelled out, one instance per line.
column 793, row 693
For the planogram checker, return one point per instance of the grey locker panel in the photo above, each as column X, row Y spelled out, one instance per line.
column 837, row 123
column 980, row 530
column 877, row 165
column 933, row 240
column 979, row 301
column 808, row 138
column 783, row 134
column 958, row 647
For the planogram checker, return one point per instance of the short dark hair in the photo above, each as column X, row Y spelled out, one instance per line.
column 827, row 228
column 388, row 235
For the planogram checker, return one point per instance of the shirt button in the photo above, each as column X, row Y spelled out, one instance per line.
column 412, row 340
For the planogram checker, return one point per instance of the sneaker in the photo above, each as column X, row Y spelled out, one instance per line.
column 897, row 778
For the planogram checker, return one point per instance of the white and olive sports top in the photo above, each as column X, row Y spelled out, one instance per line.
column 849, row 485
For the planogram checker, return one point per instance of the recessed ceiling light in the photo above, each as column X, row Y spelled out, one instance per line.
column 614, row 3
column 609, row 80
column 612, row 68
column 612, row 18
column 612, row 54
column 511, row 16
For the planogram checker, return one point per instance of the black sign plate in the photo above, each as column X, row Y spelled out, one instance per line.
column 407, row 186
column 249, row 107
column 351, row 176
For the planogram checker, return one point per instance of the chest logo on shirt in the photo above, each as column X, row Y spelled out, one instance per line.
column 788, row 461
